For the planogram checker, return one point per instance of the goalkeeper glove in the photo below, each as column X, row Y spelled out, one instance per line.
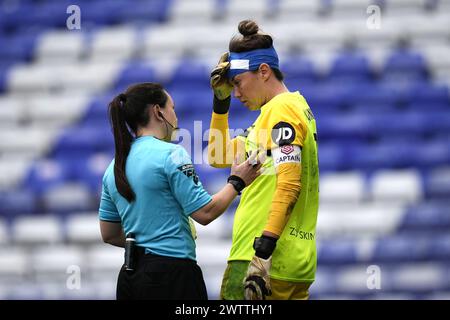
column 257, row 281
column 219, row 82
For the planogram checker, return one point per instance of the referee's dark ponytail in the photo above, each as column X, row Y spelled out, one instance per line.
column 128, row 111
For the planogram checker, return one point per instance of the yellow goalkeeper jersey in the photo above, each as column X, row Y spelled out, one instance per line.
column 286, row 118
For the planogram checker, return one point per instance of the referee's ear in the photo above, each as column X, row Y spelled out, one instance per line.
column 157, row 114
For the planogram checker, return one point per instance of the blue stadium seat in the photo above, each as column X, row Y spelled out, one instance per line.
column 437, row 183
column 331, row 157
column 430, row 94
column 432, row 216
column 324, row 96
column 17, row 202
column 83, row 141
column 4, row 69
column 372, row 94
column 383, row 155
column 350, row 66
column 135, row 73
column 44, row 175
column 440, row 247
column 394, row 123
column 331, row 253
column 437, row 121
column 103, row 12
column 342, row 126
column 298, row 71
column 192, row 103
column 18, row 48
column 189, row 75
column 432, row 154
column 373, row 108
column 144, row 11
column 48, row 14
column 12, row 16
column 91, row 170
column 429, row 106
column 405, row 65
column 401, row 248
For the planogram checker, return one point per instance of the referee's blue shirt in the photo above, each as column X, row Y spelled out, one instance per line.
column 167, row 191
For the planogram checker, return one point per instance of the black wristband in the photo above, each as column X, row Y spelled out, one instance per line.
column 237, row 183
column 264, row 246
column 221, row 106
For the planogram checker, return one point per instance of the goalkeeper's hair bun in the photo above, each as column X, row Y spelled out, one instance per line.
column 248, row 28
column 252, row 38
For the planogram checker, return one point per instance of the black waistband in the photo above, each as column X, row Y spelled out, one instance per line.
column 140, row 253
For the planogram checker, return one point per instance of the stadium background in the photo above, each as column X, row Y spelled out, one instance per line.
column 380, row 97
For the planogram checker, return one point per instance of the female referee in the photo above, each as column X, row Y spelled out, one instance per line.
column 151, row 189
column 273, row 253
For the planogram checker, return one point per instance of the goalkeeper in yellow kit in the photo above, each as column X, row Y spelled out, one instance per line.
column 273, row 253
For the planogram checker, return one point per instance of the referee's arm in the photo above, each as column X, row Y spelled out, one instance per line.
column 112, row 233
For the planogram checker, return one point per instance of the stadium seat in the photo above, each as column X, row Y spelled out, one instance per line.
column 440, row 248
column 380, row 98
column 431, row 216
column 405, row 65
column 189, row 75
column 135, row 73
column 12, row 171
column 113, row 44
column 92, row 170
column 17, row 202
column 437, row 183
column 83, row 228
column 237, row 10
column 401, row 249
column 60, row 47
column 397, row 186
column 350, row 66
column 56, row 262
column 345, row 187
column 104, row 261
column 185, row 12
column 144, row 11
column 420, row 278
column 14, row 265
column 298, row 71
column 45, row 174
column 32, row 230
column 332, row 253
column 69, row 197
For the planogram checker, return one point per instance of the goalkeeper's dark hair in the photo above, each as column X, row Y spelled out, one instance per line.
column 127, row 112
column 252, row 38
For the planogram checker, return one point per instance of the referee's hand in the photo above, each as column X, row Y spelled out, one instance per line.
column 247, row 170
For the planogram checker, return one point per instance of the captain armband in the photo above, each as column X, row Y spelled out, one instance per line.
column 286, row 154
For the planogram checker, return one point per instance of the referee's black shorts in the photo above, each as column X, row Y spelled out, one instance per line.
column 161, row 278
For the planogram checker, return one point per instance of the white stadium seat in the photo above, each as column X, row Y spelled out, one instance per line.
column 57, row 262
column 60, row 47
column 396, row 186
column 69, row 196
column 114, row 44
column 37, row 229
column 342, row 187
column 104, row 261
column 14, row 264
column 83, row 227
column 12, row 171
column 192, row 11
